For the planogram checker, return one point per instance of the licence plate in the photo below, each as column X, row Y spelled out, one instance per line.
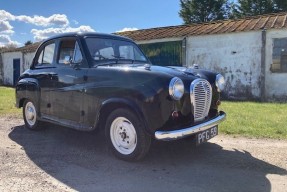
column 204, row 136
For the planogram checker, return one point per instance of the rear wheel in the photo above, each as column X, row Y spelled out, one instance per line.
column 126, row 135
column 30, row 115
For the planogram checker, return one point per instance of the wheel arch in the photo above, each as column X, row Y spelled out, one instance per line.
column 27, row 88
column 115, row 103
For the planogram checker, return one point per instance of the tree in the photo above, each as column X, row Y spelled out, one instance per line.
column 28, row 43
column 195, row 11
column 255, row 7
column 280, row 5
column 259, row 7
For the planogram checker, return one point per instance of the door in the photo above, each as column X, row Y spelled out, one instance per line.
column 16, row 70
column 43, row 71
column 67, row 95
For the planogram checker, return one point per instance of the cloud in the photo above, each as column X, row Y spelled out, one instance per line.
column 40, row 35
column 127, row 29
column 6, row 40
column 57, row 23
column 4, row 16
column 56, row 19
column 5, row 27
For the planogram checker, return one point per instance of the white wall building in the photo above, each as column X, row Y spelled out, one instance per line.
column 251, row 53
column 13, row 62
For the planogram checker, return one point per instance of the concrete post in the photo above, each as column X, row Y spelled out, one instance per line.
column 184, row 64
column 263, row 66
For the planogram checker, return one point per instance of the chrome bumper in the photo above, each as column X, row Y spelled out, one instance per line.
column 181, row 133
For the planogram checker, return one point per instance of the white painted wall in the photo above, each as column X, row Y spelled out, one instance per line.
column 236, row 55
column 275, row 84
column 7, row 59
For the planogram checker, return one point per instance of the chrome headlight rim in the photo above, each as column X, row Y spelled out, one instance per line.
column 176, row 88
column 220, row 82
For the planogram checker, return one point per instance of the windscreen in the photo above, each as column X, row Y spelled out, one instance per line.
column 102, row 49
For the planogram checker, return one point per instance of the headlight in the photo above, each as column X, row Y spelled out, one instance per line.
column 176, row 88
column 220, row 82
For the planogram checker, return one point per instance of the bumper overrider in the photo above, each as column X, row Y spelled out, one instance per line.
column 181, row 133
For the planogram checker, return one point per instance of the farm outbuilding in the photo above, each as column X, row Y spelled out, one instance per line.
column 15, row 61
column 251, row 53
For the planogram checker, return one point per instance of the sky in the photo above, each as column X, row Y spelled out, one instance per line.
column 36, row 20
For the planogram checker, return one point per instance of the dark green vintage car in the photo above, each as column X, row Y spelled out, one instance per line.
column 94, row 81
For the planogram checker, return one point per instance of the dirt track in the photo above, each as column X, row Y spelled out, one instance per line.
column 60, row 159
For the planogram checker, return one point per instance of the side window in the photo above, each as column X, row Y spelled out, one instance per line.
column 47, row 54
column 279, row 55
column 69, row 52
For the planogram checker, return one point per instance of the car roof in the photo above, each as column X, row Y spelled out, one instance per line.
column 89, row 34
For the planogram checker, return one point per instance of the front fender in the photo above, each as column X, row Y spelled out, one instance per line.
column 27, row 88
column 112, row 103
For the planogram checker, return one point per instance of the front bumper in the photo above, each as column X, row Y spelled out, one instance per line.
column 181, row 133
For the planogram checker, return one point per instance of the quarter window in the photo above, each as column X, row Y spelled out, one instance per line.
column 69, row 52
column 47, row 54
column 77, row 54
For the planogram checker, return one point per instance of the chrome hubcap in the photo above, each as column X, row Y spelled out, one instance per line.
column 123, row 135
column 30, row 113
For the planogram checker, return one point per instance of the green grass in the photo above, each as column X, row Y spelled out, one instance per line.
column 249, row 119
column 7, row 102
column 252, row 119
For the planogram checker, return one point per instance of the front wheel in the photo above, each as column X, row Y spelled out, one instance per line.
column 30, row 115
column 126, row 135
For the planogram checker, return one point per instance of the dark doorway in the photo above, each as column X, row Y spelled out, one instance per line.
column 16, row 70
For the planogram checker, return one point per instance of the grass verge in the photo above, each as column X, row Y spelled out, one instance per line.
column 7, row 102
column 252, row 119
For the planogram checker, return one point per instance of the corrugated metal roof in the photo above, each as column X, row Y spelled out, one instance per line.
column 270, row 21
column 26, row 49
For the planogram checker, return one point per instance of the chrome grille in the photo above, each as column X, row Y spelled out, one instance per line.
column 200, row 96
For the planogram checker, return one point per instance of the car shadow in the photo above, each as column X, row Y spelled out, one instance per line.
column 82, row 161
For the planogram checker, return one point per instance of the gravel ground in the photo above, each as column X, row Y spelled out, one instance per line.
column 61, row 159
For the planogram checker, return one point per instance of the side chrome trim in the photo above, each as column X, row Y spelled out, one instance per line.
column 181, row 133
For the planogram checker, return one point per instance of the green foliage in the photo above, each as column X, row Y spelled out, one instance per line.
column 259, row 7
column 194, row 11
column 28, row 43
column 280, row 5
column 255, row 7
